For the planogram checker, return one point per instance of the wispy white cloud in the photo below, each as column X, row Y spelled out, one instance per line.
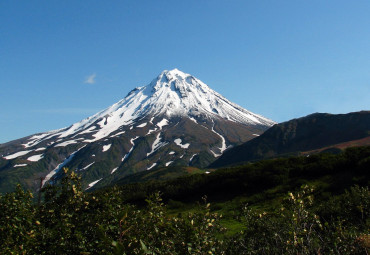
column 90, row 79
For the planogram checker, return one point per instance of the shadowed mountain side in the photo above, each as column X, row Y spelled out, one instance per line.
column 308, row 133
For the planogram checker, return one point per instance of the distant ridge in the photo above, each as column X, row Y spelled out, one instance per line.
column 310, row 133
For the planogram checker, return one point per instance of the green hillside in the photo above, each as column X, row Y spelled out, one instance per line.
column 298, row 205
column 328, row 172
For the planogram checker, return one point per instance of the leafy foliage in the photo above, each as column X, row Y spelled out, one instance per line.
column 328, row 172
column 18, row 224
column 297, row 228
column 70, row 221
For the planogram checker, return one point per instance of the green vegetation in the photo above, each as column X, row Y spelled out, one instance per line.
column 269, row 207
column 263, row 180
column 310, row 133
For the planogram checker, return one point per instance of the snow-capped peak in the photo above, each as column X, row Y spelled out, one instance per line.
column 167, row 77
column 172, row 93
column 177, row 93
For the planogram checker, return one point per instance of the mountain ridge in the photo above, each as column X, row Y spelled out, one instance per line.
column 308, row 133
column 175, row 120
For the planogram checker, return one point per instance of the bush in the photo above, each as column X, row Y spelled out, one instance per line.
column 70, row 221
column 296, row 229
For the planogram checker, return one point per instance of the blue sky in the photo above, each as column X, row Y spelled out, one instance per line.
column 62, row 61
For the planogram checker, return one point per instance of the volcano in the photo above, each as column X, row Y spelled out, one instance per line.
column 176, row 120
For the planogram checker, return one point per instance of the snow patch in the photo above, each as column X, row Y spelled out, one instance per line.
column 86, row 167
column 40, row 149
column 171, row 153
column 141, row 125
column 223, row 145
column 156, row 145
column 93, row 183
column 215, row 154
column 17, row 154
column 151, row 131
column 169, row 163
column 178, row 143
column 194, row 120
column 192, row 157
column 35, row 158
column 115, row 169
column 36, row 139
column 89, row 130
column 151, row 166
column 20, row 165
column 133, row 145
column 60, row 166
column 162, row 123
column 106, row 147
column 63, row 144
column 119, row 133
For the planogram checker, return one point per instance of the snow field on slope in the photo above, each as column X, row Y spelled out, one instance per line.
column 194, row 120
column 93, row 183
column 36, row 139
column 151, row 131
column 86, row 167
column 17, row 154
column 60, row 166
column 89, row 130
column 223, row 144
column 162, row 123
column 106, row 147
column 192, row 157
column 113, row 170
column 118, row 134
column 132, row 148
column 63, row 144
column 19, row 165
column 169, row 163
column 156, row 144
column 141, row 125
column 35, row 158
column 178, row 143
column 216, row 155
column 151, row 166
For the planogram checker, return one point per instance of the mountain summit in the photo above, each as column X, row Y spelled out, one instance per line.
column 177, row 93
column 172, row 93
column 175, row 120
